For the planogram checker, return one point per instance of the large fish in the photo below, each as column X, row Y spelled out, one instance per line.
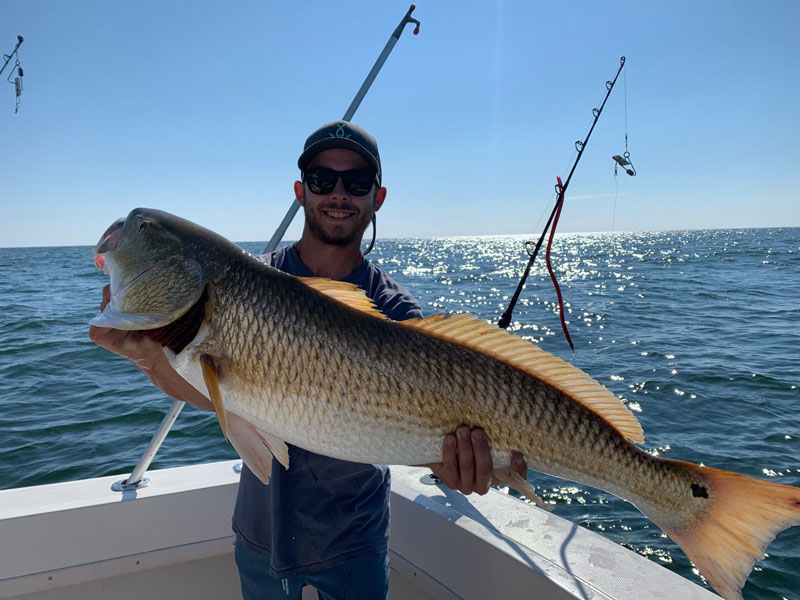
column 311, row 362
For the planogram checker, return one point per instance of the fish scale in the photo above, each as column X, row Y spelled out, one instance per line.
column 363, row 376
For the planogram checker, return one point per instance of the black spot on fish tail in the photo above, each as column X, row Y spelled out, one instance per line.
column 183, row 330
column 699, row 491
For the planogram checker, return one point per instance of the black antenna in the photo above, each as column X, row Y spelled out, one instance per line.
column 505, row 320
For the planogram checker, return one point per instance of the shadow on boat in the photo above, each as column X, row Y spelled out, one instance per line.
column 459, row 503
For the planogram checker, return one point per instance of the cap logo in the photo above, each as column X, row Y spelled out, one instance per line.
column 339, row 133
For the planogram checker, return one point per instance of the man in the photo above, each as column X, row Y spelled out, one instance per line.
column 324, row 522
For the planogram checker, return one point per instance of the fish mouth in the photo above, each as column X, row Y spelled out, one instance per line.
column 112, row 316
column 108, row 242
column 104, row 260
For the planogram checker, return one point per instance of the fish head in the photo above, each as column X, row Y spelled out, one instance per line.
column 155, row 275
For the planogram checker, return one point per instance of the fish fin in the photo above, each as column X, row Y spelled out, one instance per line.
column 211, row 378
column 255, row 446
column 251, row 446
column 346, row 293
column 277, row 446
column 245, row 437
column 743, row 516
column 514, row 480
column 486, row 338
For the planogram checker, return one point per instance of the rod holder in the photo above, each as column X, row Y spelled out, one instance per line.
column 124, row 486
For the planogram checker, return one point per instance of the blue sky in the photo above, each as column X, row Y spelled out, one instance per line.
column 201, row 109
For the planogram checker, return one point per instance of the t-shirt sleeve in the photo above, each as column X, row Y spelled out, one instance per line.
column 389, row 296
column 270, row 258
column 395, row 302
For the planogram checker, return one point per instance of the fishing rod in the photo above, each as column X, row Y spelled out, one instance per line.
column 136, row 479
column 348, row 116
column 18, row 79
column 561, row 189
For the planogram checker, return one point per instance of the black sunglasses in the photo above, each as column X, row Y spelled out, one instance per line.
column 322, row 180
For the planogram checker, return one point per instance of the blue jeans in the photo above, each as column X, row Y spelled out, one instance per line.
column 360, row 579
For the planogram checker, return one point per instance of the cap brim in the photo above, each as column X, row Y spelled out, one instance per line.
column 343, row 143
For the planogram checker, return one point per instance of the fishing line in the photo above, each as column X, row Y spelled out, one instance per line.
column 9, row 120
column 625, row 104
column 632, row 172
column 624, row 161
column 553, row 196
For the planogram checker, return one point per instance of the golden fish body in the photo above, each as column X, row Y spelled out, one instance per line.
column 312, row 363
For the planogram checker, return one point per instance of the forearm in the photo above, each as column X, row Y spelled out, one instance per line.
column 149, row 357
column 165, row 378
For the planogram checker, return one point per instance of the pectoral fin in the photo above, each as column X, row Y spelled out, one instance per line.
column 255, row 447
column 251, row 446
column 277, row 446
column 514, row 480
column 211, row 378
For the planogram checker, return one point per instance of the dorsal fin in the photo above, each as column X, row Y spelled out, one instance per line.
column 346, row 293
column 486, row 338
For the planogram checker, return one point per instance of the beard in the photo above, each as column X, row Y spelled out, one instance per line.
column 337, row 235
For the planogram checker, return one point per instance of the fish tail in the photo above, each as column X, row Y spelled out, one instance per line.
column 731, row 532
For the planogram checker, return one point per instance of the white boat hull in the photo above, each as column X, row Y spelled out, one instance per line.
column 172, row 539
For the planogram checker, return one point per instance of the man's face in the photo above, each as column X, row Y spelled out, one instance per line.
column 339, row 218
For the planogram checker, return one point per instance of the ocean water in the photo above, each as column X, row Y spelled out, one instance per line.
column 695, row 330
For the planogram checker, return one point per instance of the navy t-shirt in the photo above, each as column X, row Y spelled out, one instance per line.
column 321, row 512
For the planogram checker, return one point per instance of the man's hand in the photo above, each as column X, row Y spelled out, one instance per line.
column 140, row 350
column 148, row 356
column 467, row 461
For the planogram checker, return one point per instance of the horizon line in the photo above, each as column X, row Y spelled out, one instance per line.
column 456, row 236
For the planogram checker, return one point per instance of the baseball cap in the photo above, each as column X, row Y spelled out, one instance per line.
column 341, row 134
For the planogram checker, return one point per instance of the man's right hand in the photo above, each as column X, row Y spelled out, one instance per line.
column 148, row 356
